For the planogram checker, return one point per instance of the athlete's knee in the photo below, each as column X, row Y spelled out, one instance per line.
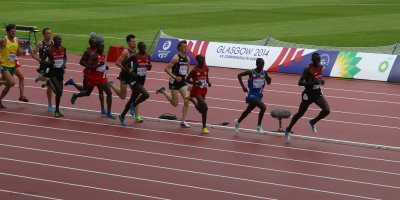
column 326, row 111
column 10, row 83
column 146, row 95
column 263, row 107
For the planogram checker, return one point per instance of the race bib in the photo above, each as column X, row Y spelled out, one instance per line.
column 12, row 57
column 141, row 71
column 258, row 82
column 58, row 63
column 183, row 70
column 203, row 83
column 101, row 69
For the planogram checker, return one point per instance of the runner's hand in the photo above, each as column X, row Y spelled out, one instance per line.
column 179, row 79
column 245, row 90
column 197, row 83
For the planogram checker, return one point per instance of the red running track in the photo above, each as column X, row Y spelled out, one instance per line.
column 87, row 156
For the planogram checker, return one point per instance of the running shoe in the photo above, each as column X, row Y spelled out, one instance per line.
column 111, row 116
column 103, row 112
column 287, row 135
column 73, row 98
column 185, row 125
column 160, row 90
column 45, row 83
column 259, row 130
column 236, row 126
column 69, row 82
column 23, row 98
column 122, row 120
column 1, row 105
column 205, row 130
column 38, row 78
column 133, row 108
column 138, row 119
column 50, row 108
column 314, row 129
column 58, row 114
column 111, row 82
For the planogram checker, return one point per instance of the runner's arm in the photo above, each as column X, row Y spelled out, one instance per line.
column 267, row 78
column 168, row 68
column 245, row 73
column 36, row 50
column 306, row 74
column 208, row 80
column 124, row 55
column 190, row 76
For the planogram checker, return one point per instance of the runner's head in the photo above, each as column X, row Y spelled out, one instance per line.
column 99, row 46
column 57, row 40
column 11, row 30
column 142, row 47
column 200, row 59
column 131, row 41
column 46, row 34
column 260, row 64
column 182, row 46
column 316, row 59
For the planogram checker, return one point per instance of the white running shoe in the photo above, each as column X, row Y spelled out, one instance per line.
column 287, row 135
column 259, row 130
column 314, row 129
column 185, row 125
column 236, row 126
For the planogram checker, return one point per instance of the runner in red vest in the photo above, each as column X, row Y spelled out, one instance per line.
column 137, row 80
column 55, row 58
column 84, row 61
column 199, row 76
column 96, row 76
column 312, row 80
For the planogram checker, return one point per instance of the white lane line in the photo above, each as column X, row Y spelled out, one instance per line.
column 15, row 194
column 214, row 138
column 78, row 185
column 196, row 172
column 151, row 180
column 189, row 186
column 185, row 146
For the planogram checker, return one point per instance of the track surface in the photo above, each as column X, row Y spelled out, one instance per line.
column 88, row 156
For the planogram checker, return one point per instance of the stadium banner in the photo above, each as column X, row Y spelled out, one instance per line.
column 285, row 60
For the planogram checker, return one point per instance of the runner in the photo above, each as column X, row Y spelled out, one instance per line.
column 97, row 75
column 84, row 61
column 199, row 75
column 177, row 69
column 9, row 50
column 55, row 58
column 40, row 48
column 20, row 75
column 138, row 78
column 126, row 65
column 312, row 80
column 256, row 83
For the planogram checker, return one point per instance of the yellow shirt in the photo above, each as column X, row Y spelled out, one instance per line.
column 9, row 53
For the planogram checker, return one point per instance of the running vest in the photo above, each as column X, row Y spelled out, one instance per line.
column 257, row 82
column 200, row 76
column 100, row 71
column 9, row 53
column 180, row 69
column 316, row 76
column 142, row 64
column 45, row 46
column 90, row 52
column 58, row 56
column 129, row 63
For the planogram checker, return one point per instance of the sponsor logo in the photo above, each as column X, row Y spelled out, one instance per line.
column 167, row 45
column 383, row 66
column 325, row 60
column 347, row 62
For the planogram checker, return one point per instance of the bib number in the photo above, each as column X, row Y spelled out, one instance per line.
column 58, row 63
column 101, row 69
column 141, row 71
column 12, row 57
column 183, row 70
column 258, row 82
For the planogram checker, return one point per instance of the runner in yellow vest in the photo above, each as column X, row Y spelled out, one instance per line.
column 8, row 54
